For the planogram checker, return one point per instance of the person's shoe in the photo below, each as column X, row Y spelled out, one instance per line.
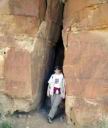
column 49, row 120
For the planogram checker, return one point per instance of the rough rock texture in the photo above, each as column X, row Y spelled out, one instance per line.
column 20, row 22
column 85, row 35
column 29, row 30
column 26, row 50
column 25, row 7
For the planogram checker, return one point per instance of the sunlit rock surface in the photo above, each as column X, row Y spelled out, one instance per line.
column 85, row 35
column 29, row 30
column 26, row 51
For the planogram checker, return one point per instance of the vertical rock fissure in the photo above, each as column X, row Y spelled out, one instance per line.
column 55, row 38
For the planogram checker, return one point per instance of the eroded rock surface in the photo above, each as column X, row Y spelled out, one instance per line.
column 86, row 60
column 29, row 31
column 26, row 50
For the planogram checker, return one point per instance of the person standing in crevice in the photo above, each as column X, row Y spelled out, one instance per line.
column 56, row 91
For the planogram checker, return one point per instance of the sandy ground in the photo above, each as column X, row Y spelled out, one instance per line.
column 36, row 120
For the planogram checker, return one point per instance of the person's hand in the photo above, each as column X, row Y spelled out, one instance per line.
column 63, row 96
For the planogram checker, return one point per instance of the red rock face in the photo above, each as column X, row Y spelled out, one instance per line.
column 18, row 74
column 20, row 22
column 26, row 7
column 86, row 59
column 26, row 48
column 86, row 62
column 27, row 37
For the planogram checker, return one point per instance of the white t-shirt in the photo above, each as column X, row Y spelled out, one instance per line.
column 56, row 80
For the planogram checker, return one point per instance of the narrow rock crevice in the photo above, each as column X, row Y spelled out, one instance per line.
column 55, row 41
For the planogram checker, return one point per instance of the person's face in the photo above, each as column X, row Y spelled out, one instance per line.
column 57, row 71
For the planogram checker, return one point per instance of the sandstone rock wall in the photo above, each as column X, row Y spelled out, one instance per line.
column 26, row 48
column 85, row 35
column 20, row 22
column 29, row 30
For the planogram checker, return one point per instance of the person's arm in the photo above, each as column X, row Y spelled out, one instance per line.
column 63, row 88
column 50, row 82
